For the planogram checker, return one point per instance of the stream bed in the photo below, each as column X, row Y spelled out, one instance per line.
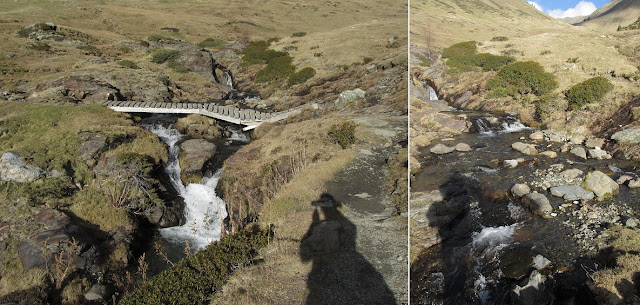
column 493, row 250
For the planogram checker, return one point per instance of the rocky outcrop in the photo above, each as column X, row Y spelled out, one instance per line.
column 628, row 136
column 194, row 154
column 349, row 96
column 12, row 169
column 199, row 127
column 86, row 88
column 92, row 145
column 601, row 184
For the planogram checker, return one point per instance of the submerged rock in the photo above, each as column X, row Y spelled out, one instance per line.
column 601, row 184
column 12, row 169
column 571, row 192
column 527, row 149
column 463, row 147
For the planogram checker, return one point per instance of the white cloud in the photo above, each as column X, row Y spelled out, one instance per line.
column 536, row 5
column 583, row 8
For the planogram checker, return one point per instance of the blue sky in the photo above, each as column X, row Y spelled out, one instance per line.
column 567, row 8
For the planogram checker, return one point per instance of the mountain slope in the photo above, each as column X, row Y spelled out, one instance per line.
column 448, row 22
column 613, row 14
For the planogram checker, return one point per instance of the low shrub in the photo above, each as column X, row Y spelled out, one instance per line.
column 193, row 280
column 589, row 91
column 39, row 46
column 90, row 50
column 277, row 69
column 301, row 76
column 522, row 78
column 545, row 52
column 178, row 67
column 343, row 134
column 258, row 52
column 500, row 38
column 299, row 34
column 211, row 43
column 462, row 57
column 155, row 38
column 366, row 60
column 164, row 55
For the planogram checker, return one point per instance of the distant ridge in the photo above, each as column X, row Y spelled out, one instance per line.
column 613, row 14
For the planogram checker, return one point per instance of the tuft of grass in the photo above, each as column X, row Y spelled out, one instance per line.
column 211, row 43
column 39, row 46
column 164, row 55
column 366, row 60
column 128, row 64
column 572, row 60
column 499, row 38
column 90, row 50
column 299, row 34
column 155, row 38
column 94, row 207
column 343, row 134
column 178, row 67
column 545, row 52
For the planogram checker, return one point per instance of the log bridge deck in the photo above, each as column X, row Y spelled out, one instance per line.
column 250, row 118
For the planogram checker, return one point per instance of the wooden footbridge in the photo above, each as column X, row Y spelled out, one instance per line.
column 250, row 118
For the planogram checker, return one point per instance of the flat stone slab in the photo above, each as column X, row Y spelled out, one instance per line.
column 571, row 192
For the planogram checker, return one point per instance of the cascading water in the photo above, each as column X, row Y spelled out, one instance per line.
column 432, row 94
column 204, row 211
column 238, row 136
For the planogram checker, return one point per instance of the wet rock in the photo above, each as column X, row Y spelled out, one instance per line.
column 510, row 163
column 516, row 263
column 98, row 292
column 599, row 154
column 623, row 179
column 527, row 149
column 441, row 149
column 535, row 292
column 572, row 173
column 571, row 192
column 634, row 183
column 549, row 154
column 540, row 262
column 538, row 204
column 537, row 136
column 519, row 190
column 463, row 147
column 628, row 136
column 594, row 143
column 579, row 151
column 12, row 169
column 193, row 155
column 492, row 120
column 632, row 222
column 93, row 144
column 350, row 96
column 601, row 184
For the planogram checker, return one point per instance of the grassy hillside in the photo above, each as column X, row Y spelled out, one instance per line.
column 613, row 14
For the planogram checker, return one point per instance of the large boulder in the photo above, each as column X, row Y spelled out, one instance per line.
column 571, row 192
column 350, row 96
column 527, row 149
column 12, row 169
column 194, row 154
column 538, row 204
column 199, row 127
column 601, row 184
column 519, row 190
column 628, row 136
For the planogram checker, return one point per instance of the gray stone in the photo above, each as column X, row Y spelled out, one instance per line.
column 571, row 192
column 440, row 149
column 579, row 151
column 594, row 142
column 634, row 183
column 350, row 96
column 628, row 136
column 537, row 136
column 632, row 222
column 601, row 184
column 535, row 292
column 549, row 154
column 572, row 173
column 599, row 154
column 519, row 190
column 193, row 155
column 555, row 135
column 577, row 139
column 12, row 169
column 463, row 147
column 623, row 179
column 538, row 204
column 98, row 292
column 527, row 149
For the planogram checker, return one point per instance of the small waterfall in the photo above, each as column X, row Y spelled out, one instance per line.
column 482, row 125
column 433, row 96
column 227, row 75
column 238, row 136
column 204, row 211
column 511, row 124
